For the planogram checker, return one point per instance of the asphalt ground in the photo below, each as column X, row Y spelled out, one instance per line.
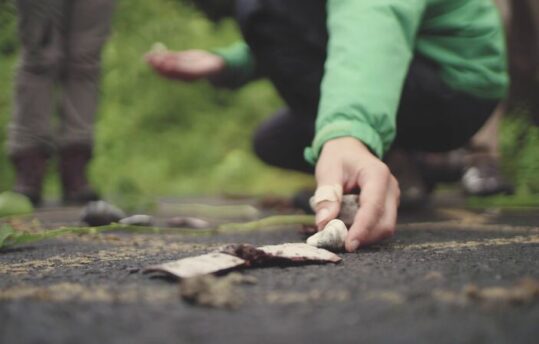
column 448, row 276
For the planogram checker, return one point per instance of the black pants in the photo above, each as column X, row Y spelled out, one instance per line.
column 289, row 39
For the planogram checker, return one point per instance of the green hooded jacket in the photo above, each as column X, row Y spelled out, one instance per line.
column 371, row 44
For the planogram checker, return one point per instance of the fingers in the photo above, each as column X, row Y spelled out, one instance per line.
column 376, row 217
column 173, row 65
column 325, row 212
column 187, row 65
column 385, row 228
column 160, row 62
column 349, row 163
column 328, row 195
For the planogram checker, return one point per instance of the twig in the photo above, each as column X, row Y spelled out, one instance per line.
column 268, row 222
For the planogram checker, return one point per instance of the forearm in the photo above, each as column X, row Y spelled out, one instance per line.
column 369, row 51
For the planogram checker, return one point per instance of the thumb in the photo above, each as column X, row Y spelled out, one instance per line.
column 327, row 203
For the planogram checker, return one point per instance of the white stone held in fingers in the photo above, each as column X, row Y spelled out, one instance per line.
column 349, row 208
column 332, row 237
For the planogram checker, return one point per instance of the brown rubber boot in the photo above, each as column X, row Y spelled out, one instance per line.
column 30, row 169
column 73, row 162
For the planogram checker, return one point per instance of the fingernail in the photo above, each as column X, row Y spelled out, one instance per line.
column 322, row 215
column 354, row 244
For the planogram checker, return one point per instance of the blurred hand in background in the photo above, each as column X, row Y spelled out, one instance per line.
column 189, row 65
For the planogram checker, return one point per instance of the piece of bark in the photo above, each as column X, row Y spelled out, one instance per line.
column 199, row 265
column 244, row 255
column 278, row 254
column 300, row 252
column 251, row 254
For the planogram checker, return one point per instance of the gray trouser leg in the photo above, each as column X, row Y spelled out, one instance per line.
column 41, row 50
column 61, row 46
column 88, row 26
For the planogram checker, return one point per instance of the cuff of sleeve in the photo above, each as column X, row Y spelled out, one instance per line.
column 240, row 67
column 236, row 56
column 360, row 131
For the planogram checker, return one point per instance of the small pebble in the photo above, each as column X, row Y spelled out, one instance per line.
column 137, row 220
column 332, row 237
column 101, row 213
column 349, row 208
column 188, row 222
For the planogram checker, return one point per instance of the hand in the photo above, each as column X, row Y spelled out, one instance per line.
column 189, row 65
column 348, row 162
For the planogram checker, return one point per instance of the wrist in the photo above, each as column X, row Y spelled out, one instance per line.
column 346, row 143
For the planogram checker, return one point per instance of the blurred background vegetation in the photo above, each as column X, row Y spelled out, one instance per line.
column 159, row 137
column 156, row 137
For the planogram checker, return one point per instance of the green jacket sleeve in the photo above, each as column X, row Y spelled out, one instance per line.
column 240, row 66
column 369, row 51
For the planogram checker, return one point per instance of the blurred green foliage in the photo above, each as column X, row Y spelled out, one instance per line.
column 8, row 27
column 8, row 45
column 520, row 148
column 159, row 137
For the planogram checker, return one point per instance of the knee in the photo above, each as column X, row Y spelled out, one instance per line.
column 40, row 62
column 280, row 148
column 84, row 57
column 262, row 147
column 82, row 66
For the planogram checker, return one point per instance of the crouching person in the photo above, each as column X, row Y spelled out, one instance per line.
column 362, row 80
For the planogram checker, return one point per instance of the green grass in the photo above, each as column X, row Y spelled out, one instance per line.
column 159, row 137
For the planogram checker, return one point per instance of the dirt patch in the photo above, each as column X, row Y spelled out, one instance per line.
column 472, row 244
column 524, row 292
column 308, row 296
column 74, row 292
column 467, row 217
column 215, row 292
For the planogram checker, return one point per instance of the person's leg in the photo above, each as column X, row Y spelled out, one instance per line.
column 29, row 138
column 477, row 164
column 288, row 40
column 431, row 118
column 434, row 118
column 87, row 28
column 481, row 172
column 281, row 140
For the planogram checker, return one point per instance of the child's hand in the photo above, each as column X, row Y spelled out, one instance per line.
column 187, row 65
column 346, row 161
